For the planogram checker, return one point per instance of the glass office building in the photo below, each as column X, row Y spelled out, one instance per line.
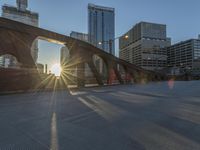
column 101, row 27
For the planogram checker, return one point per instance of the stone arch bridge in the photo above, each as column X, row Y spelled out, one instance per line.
column 17, row 38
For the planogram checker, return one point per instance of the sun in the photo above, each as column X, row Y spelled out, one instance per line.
column 56, row 69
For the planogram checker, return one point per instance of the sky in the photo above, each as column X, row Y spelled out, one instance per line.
column 63, row 16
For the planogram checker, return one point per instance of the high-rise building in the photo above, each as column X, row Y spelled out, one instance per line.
column 80, row 36
column 184, row 57
column 64, row 56
column 40, row 68
column 101, row 27
column 21, row 14
column 144, row 44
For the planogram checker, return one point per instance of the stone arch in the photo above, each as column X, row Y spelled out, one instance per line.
column 34, row 49
column 17, row 38
column 101, row 66
column 17, row 44
column 125, row 73
column 113, row 75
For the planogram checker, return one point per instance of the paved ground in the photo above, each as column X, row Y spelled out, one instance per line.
column 157, row 116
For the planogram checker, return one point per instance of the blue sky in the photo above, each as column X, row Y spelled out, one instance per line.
column 63, row 16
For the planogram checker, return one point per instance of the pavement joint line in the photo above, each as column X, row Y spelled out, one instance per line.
column 78, row 116
column 83, row 118
column 142, row 94
column 49, row 90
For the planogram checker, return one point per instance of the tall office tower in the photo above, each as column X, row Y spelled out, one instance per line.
column 101, row 27
column 144, row 44
column 184, row 57
column 21, row 14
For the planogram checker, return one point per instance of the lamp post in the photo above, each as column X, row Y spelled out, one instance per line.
column 110, row 42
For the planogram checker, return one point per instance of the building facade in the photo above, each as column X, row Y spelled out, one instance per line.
column 83, row 37
column 80, row 36
column 64, row 52
column 184, row 57
column 1, row 62
column 144, row 46
column 21, row 14
column 101, row 27
column 40, row 68
column 64, row 56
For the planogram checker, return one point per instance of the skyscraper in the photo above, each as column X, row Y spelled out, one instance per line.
column 21, row 14
column 101, row 27
column 145, row 44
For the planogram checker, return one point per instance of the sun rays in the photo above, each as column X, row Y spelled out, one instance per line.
column 56, row 70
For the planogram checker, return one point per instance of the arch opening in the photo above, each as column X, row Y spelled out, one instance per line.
column 51, row 60
column 9, row 61
column 125, row 75
column 101, row 66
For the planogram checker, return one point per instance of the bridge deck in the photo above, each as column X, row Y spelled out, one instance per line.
column 154, row 117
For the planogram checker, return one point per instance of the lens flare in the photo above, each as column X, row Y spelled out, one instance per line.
column 171, row 83
column 56, row 69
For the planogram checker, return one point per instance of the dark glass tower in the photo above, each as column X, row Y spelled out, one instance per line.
column 101, row 27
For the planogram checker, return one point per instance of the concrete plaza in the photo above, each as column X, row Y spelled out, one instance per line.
column 154, row 116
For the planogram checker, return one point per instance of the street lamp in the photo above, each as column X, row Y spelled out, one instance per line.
column 126, row 36
column 110, row 42
column 100, row 43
